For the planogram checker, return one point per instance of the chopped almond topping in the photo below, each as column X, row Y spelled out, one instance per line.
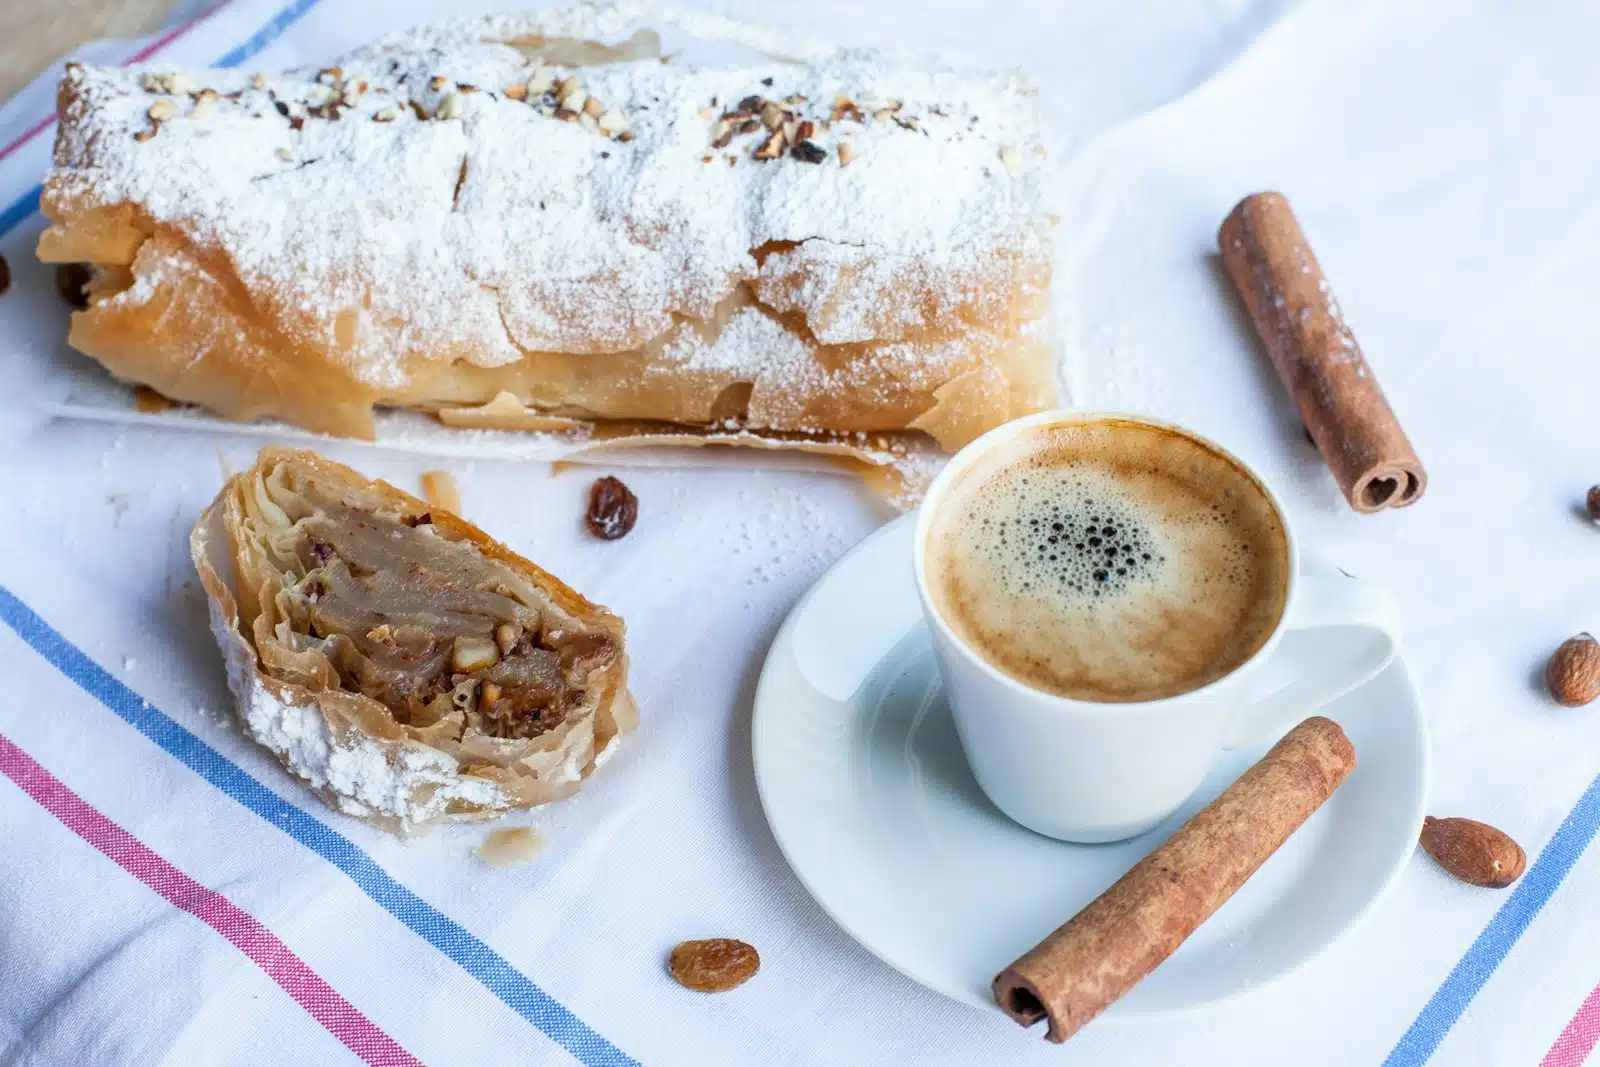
column 540, row 81
column 772, row 147
column 453, row 106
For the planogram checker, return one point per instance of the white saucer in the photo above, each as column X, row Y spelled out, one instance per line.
column 871, row 801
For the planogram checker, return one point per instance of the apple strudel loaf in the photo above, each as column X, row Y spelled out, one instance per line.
column 500, row 208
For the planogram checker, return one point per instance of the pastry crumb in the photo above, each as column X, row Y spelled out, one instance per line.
column 439, row 489
column 511, row 846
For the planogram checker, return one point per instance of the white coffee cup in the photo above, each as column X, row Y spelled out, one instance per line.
column 1085, row 771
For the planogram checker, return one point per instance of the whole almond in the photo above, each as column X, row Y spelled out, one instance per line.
column 1573, row 673
column 1473, row 851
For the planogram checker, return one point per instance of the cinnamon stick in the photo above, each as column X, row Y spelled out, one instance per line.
column 1126, row 932
column 1317, row 356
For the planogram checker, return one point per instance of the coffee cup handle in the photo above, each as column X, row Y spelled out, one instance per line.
column 1358, row 628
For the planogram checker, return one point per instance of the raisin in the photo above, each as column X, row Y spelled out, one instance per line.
column 713, row 966
column 72, row 282
column 5, row 274
column 613, row 509
column 425, row 519
column 809, row 152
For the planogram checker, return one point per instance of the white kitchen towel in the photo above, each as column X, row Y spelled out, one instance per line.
column 170, row 896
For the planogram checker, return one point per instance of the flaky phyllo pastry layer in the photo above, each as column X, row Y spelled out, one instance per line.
column 404, row 664
column 830, row 246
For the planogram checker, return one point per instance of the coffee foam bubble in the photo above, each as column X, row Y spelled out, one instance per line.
column 1109, row 561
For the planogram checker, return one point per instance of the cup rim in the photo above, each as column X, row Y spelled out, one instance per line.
column 980, row 445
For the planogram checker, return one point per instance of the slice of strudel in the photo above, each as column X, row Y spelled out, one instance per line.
column 406, row 666
column 513, row 213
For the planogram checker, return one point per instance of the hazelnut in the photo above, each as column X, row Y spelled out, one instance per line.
column 1573, row 673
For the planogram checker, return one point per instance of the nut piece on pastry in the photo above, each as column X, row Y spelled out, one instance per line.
column 590, row 234
column 406, row 666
